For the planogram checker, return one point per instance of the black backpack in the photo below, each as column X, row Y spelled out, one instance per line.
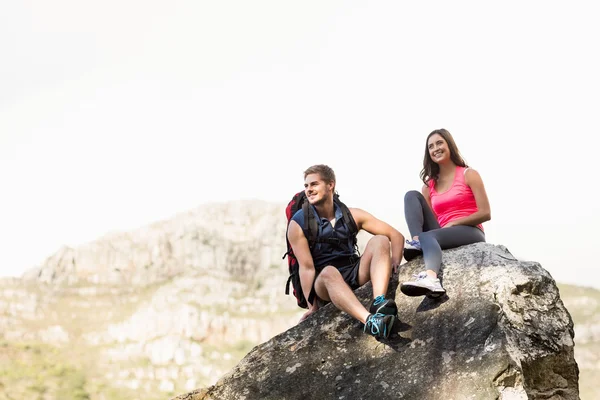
column 299, row 201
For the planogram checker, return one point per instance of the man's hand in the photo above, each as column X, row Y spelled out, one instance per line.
column 311, row 309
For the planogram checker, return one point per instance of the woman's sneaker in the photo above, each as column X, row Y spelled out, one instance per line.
column 379, row 325
column 412, row 249
column 414, row 243
column 381, row 305
column 423, row 285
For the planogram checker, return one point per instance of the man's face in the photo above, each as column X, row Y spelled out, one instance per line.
column 316, row 190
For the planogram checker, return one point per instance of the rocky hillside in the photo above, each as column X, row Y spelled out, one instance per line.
column 172, row 307
column 150, row 313
column 584, row 306
column 216, row 239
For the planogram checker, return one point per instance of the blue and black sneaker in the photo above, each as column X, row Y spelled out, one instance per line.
column 379, row 325
column 382, row 305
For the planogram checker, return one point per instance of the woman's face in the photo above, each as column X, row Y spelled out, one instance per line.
column 438, row 149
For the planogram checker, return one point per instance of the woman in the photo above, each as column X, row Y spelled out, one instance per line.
column 448, row 213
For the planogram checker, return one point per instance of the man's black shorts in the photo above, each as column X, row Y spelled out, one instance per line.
column 348, row 267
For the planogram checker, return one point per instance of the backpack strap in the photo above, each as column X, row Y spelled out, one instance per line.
column 312, row 227
column 348, row 218
column 294, row 205
column 349, row 221
column 351, row 224
column 310, row 222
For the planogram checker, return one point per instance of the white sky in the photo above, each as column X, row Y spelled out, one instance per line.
column 115, row 114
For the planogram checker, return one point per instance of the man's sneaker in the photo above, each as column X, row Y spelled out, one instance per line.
column 423, row 285
column 379, row 325
column 412, row 249
column 381, row 305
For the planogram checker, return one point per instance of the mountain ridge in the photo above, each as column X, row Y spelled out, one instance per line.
column 162, row 324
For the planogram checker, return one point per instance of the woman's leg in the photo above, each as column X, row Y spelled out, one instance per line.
column 433, row 242
column 419, row 219
column 418, row 215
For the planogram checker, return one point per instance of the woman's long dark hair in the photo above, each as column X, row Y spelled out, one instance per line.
column 430, row 169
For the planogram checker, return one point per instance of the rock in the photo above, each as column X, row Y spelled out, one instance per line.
column 502, row 332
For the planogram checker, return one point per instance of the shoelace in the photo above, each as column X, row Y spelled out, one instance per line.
column 378, row 300
column 420, row 275
column 373, row 325
column 414, row 243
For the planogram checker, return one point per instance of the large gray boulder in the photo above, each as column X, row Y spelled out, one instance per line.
column 502, row 332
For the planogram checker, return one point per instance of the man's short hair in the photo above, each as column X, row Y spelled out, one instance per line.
column 324, row 171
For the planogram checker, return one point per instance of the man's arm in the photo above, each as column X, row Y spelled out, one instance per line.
column 375, row 226
column 305, row 263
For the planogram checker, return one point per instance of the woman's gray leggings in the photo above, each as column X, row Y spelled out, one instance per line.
column 422, row 223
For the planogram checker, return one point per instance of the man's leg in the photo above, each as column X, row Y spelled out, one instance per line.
column 330, row 286
column 376, row 265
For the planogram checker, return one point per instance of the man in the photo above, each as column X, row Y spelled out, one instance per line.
column 331, row 272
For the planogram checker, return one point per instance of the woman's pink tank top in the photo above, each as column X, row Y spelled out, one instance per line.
column 457, row 202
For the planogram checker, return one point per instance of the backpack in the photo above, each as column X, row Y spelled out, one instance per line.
column 297, row 202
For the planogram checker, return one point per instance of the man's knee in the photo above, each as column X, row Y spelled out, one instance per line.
column 412, row 194
column 379, row 243
column 329, row 273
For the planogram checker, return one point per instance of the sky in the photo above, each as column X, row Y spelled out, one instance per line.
column 117, row 114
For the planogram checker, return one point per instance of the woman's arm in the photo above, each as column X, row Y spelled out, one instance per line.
column 427, row 195
column 483, row 213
